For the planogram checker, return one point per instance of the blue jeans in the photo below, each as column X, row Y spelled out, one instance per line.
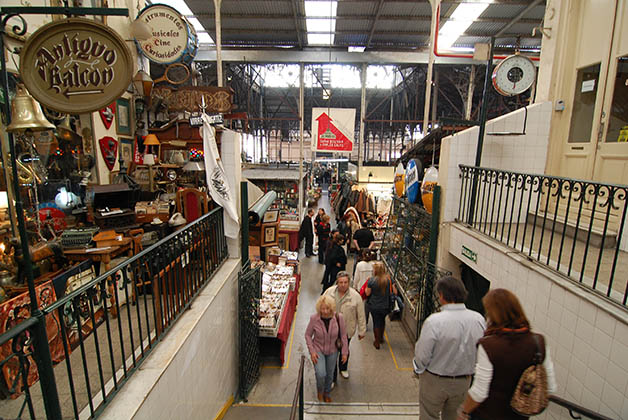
column 324, row 370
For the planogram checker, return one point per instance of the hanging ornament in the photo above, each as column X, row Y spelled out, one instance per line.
column 109, row 150
column 413, row 170
column 107, row 114
column 427, row 187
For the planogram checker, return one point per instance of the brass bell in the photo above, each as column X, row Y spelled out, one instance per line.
column 26, row 113
column 64, row 131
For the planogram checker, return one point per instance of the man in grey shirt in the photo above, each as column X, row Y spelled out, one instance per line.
column 444, row 355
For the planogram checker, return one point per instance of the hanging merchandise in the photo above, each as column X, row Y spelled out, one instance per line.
column 217, row 183
column 109, row 150
column 399, row 180
column 107, row 114
column 412, row 180
column 427, row 187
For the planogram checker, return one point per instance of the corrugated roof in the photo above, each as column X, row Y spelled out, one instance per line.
column 260, row 22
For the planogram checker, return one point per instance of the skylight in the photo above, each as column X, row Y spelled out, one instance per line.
column 203, row 36
column 459, row 21
column 179, row 5
column 320, row 19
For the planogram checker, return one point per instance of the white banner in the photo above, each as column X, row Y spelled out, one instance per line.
column 333, row 129
column 217, row 183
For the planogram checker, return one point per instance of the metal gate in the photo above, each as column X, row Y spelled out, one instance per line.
column 249, row 294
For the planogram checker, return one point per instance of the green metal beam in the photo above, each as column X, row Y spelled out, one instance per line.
column 94, row 11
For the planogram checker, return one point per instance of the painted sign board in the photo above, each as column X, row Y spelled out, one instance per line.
column 75, row 65
column 412, row 181
column 333, row 129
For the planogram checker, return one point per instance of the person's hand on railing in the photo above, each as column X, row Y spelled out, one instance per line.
column 314, row 357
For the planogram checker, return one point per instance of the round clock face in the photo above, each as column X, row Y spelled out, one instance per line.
column 514, row 75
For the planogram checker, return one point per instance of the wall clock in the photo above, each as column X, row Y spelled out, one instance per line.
column 514, row 75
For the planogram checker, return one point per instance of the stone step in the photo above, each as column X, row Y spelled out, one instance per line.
column 327, row 411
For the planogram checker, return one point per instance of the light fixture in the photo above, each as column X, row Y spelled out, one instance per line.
column 459, row 21
column 143, row 83
column 194, row 166
column 66, row 199
column 149, row 159
column 356, row 49
column 151, row 140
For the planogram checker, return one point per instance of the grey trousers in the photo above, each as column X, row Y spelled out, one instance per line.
column 439, row 398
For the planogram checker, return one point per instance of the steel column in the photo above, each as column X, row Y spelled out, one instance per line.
column 301, row 138
column 362, row 118
column 217, row 4
column 430, row 65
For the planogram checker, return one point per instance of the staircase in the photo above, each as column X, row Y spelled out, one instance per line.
column 328, row 411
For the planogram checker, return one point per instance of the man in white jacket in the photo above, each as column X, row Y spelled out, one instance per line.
column 349, row 304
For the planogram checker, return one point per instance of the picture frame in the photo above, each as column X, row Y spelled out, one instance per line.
column 123, row 117
column 126, row 149
column 269, row 235
column 271, row 216
column 283, row 241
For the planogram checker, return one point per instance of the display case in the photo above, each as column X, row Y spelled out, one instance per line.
column 405, row 252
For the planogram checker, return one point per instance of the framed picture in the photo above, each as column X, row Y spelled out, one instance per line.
column 126, row 149
column 283, row 241
column 123, row 116
column 269, row 235
column 271, row 216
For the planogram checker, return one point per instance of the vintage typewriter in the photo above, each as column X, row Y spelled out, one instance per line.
column 78, row 238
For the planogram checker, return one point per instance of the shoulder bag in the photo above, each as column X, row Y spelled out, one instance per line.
column 531, row 397
column 338, row 339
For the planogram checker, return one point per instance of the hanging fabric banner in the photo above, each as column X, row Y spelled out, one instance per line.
column 333, row 129
column 217, row 183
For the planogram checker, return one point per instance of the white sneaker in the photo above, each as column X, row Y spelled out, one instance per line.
column 345, row 374
column 333, row 384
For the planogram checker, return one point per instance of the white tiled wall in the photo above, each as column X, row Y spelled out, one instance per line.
column 194, row 371
column 588, row 336
column 520, row 153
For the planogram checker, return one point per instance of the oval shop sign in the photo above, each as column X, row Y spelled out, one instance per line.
column 75, row 65
column 170, row 30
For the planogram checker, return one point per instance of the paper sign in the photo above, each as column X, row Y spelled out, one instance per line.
column 333, row 129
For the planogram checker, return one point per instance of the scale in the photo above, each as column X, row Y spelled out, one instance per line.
column 514, row 75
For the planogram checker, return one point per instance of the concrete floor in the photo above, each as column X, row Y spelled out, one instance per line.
column 376, row 376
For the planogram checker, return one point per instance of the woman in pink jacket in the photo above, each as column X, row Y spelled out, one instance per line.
column 324, row 329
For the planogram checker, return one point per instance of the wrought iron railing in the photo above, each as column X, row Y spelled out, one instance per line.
column 108, row 326
column 573, row 226
column 577, row 411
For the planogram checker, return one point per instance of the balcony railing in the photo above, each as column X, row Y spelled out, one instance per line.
column 96, row 351
column 573, row 226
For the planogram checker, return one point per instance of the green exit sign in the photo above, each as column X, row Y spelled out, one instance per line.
column 472, row 255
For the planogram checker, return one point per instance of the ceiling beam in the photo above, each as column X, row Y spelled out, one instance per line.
column 510, row 2
column 297, row 22
column 395, row 18
column 525, row 35
column 372, row 31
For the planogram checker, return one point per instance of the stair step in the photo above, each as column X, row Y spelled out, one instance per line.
column 610, row 236
column 397, row 411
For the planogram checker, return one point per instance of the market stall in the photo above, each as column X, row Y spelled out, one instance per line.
column 280, row 290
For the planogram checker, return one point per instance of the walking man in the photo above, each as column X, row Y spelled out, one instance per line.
column 349, row 304
column 444, row 355
column 307, row 232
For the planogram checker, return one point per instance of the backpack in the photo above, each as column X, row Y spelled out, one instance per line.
column 531, row 397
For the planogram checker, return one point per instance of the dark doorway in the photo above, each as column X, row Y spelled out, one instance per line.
column 477, row 286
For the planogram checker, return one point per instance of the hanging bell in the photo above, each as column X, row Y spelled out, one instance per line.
column 64, row 131
column 26, row 113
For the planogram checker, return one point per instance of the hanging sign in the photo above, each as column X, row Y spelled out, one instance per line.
column 333, row 129
column 427, row 187
column 75, row 65
column 174, row 39
column 109, row 150
column 107, row 114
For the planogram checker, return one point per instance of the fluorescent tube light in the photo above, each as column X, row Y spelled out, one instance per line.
column 356, row 49
column 459, row 21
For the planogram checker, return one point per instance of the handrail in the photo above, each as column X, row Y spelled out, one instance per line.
column 17, row 330
column 577, row 408
column 298, row 394
column 68, row 297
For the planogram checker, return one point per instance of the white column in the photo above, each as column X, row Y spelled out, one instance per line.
column 217, row 4
column 430, row 66
column 362, row 117
column 301, row 140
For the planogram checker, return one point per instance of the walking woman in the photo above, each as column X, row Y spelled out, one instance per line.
column 321, row 335
column 322, row 231
column 378, row 290
column 335, row 260
column 506, row 350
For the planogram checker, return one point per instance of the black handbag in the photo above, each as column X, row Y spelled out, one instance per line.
column 338, row 340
